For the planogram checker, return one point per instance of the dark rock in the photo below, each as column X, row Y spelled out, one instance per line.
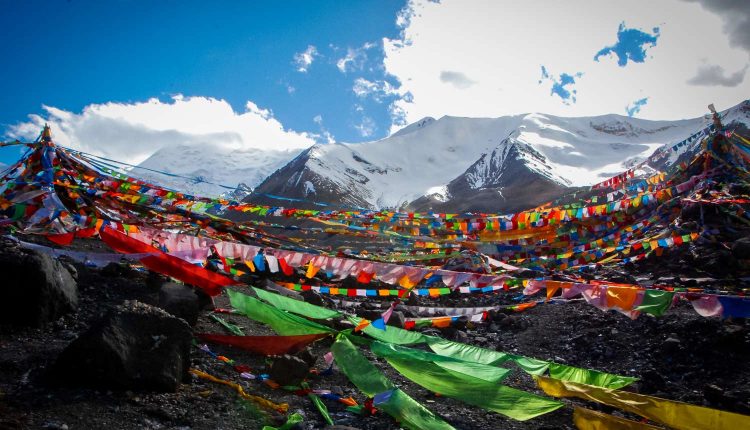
column 509, row 321
column 180, row 301
column 343, row 324
column 369, row 314
column 133, row 347
column 313, row 297
column 461, row 336
column 412, row 300
column 155, row 280
column 741, row 249
column 671, row 345
column 397, row 319
column 36, row 288
column 308, row 357
column 499, row 317
column 288, row 370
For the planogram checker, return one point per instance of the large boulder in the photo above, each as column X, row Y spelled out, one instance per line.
column 288, row 370
column 741, row 249
column 133, row 347
column 180, row 300
column 36, row 288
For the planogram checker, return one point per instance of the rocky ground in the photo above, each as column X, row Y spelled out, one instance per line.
column 680, row 356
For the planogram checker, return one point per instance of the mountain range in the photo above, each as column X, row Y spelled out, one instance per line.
column 446, row 164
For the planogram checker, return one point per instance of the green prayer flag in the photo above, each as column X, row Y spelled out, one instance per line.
column 457, row 366
column 410, row 413
column 369, row 380
column 296, row 306
column 504, row 400
column 391, row 334
column 281, row 322
column 589, row 377
column 655, row 302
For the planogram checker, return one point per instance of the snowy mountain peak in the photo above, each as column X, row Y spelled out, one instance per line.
column 422, row 123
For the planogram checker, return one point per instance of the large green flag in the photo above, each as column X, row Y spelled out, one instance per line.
column 391, row 334
column 485, row 356
column 589, row 377
column 281, row 322
column 655, row 302
column 296, row 306
column 371, row 382
column 460, row 368
column 507, row 401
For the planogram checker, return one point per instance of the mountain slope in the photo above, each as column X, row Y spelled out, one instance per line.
column 487, row 164
column 209, row 163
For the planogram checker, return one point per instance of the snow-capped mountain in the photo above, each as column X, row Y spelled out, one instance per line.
column 211, row 171
column 477, row 164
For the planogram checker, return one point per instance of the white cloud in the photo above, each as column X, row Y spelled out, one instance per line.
column 366, row 127
column 325, row 135
column 378, row 90
column 131, row 132
column 499, row 46
column 303, row 60
column 354, row 59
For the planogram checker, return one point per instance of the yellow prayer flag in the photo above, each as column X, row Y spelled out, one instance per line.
column 677, row 415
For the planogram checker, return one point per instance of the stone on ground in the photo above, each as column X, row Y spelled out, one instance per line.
column 133, row 347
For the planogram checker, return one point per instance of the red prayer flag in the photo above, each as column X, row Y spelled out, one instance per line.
column 211, row 283
column 264, row 345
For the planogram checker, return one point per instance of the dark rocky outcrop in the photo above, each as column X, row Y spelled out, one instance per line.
column 133, row 347
column 288, row 370
column 179, row 300
column 36, row 288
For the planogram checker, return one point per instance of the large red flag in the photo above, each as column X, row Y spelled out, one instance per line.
column 211, row 283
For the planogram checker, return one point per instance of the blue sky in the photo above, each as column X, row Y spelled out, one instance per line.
column 117, row 77
column 72, row 54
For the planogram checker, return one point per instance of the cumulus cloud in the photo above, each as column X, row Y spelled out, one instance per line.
column 354, row 59
column 715, row 75
column 636, row 106
column 131, row 132
column 303, row 60
column 736, row 17
column 457, row 79
column 493, row 44
column 631, row 45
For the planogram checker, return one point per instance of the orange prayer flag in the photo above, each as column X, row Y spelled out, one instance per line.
column 621, row 297
column 311, row 270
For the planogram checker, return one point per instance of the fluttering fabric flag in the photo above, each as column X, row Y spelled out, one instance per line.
column 656, row 302
column 459, row 367
column 211, row 283
column 390, row 334
column 369, row 380
column 281, row 322
column 296, row 306
column 738, row 307
column 589, row 377
column 504, row 400
column 264, row 345
column 480, row 355
column 677, row 415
